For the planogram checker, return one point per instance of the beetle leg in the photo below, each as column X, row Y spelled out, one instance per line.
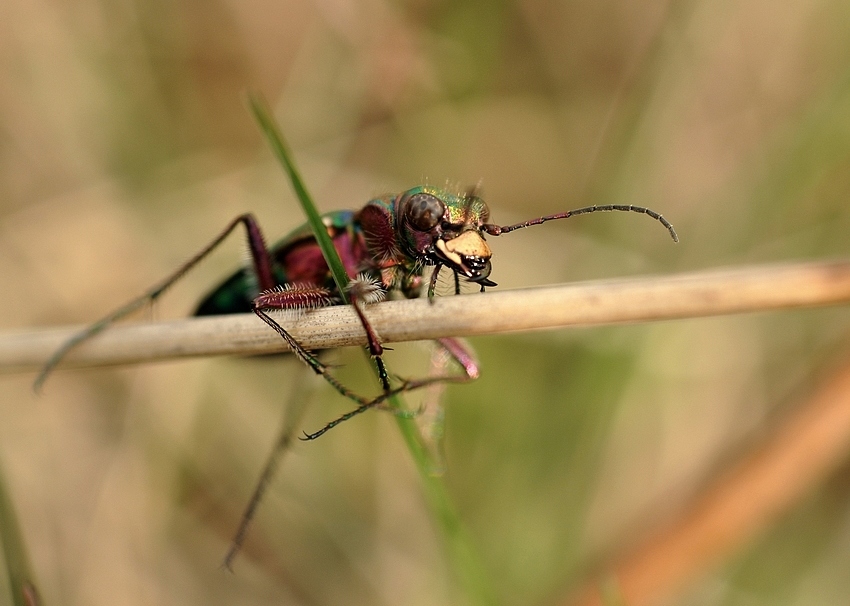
column 432, row 420
column 301, row 296
column 362, row 291
column 461, row 353
column 298, row 404
column 455, row 349
column 306, row 296
column 432, row 283
column 262, row 267
column 302, row 354
column 368, row 405
column 376, row 350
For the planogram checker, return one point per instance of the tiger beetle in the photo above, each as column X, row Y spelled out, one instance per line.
column 385, row 246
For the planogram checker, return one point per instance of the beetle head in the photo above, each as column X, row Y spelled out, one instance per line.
column 444, row 228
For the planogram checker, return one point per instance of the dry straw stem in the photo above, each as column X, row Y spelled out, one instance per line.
column 641, row 299
column 810, row 444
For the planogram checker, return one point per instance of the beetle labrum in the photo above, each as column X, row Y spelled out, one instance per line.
column 385, row 246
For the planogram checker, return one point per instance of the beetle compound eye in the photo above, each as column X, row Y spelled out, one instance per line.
column 424, row 211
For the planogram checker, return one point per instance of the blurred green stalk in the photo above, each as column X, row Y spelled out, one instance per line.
column 18, row 571
column 465, row 559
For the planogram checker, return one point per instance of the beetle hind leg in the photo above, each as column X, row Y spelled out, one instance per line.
column 262, row 267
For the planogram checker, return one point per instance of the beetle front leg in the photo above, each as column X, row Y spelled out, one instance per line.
column 295, row 298
column 364, row 291
column 432, row 283
column 453, row 347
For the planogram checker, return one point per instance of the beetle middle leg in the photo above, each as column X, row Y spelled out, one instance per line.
column 457, row 352
column 431, row 418
column 298, row 404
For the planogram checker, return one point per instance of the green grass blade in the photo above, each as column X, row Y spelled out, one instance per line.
column 21, row 579
column 465, row 558
column 262, row 113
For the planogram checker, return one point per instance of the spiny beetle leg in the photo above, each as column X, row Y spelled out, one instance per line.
column 262, row 268
column 298, row 404
column 294, row 411
column 306, row 296
column 368, row 405
column 431, row 421
column 458, row 352
column 365, row 291
column 308, row 358
column 432, row 283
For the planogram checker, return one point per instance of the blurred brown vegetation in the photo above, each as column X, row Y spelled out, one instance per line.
column 125, row 145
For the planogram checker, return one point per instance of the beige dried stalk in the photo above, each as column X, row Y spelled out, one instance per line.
column 687, row 295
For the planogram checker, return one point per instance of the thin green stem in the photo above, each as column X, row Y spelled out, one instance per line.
column 465, row 559
column 21, row 578
column 263, row 115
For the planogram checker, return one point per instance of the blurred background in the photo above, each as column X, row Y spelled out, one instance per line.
column 125, row 145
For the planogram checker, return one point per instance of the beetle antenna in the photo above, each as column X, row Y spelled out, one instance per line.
column 496, row 230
